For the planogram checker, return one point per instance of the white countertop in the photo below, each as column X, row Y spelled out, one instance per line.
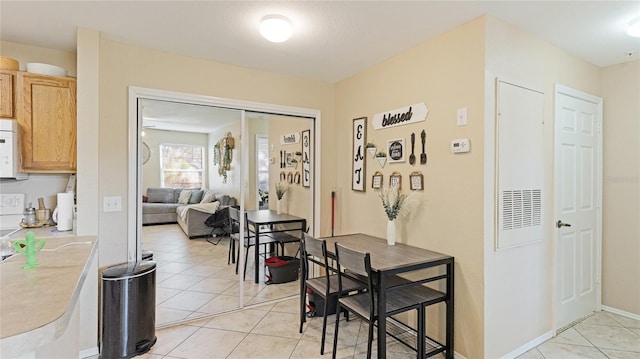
column 36, row 304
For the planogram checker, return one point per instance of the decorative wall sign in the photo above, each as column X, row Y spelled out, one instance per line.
column 358, row 174
column 395, row 150
column 290, row 139
column 395, row 180
column 283, row 176
column 290, row 177
column 296, row 178
column 306, row 158
column 416, row 181
column 401, row 116
column 288, row 159
column 376, row 181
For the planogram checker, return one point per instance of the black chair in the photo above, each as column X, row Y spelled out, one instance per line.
column 363, row 304
column 248, row 238
column 314, row 251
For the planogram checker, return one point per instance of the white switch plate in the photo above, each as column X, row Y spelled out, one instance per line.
column 112, row 204
column 460, row 145
column 11, row 203
column 461, row 118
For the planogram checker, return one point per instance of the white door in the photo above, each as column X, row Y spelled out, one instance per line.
column 577, row 204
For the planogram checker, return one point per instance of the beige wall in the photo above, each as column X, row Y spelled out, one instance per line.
column 122, row 66
column 298, row 199
column 151, row 176
column 27, row 53
column 621, row 197
column 519, row 281
column 446, row 73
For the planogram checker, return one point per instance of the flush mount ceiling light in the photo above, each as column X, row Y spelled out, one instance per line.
column 634, row 27
column 275, row 28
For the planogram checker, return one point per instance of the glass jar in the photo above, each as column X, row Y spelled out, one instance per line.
column 29, row 216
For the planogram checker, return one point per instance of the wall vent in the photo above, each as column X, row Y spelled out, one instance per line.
column 521, row 209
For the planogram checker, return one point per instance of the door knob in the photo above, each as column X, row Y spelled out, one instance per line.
column 559, row 224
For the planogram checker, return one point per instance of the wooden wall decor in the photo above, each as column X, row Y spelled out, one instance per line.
column 358, row 171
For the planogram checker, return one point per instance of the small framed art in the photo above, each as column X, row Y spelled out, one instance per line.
column 416, row 181
column 376, row 180
column 395, row 180
column 395, row 150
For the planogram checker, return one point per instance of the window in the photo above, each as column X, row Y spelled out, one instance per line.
column 181, row 166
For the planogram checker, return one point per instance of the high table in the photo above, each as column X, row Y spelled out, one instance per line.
column 389, row 260
column 270, row 218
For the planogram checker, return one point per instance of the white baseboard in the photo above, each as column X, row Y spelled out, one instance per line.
column 621, row 312
column 528, row 346
column 87, row 353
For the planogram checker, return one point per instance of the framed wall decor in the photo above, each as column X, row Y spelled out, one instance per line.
column 288, row 157
column 283, row 176
column 290, row 177
column 416, row 181
column 306, row 158
column 376, row 180
column 395, row 150
column 358, row 169
column 395, row 180
column 296, row 178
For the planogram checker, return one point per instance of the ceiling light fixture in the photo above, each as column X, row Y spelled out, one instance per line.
column 634, row 27
column 275, row 28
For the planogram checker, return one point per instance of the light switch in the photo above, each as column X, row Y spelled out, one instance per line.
column 461, row 118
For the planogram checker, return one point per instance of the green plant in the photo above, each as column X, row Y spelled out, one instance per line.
column 369, row 145
column 381, row 154
column 392, row 201
column 281, row 189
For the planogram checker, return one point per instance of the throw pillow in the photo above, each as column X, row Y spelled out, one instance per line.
column 184, row 197
column 196, row 196
column 208, row 197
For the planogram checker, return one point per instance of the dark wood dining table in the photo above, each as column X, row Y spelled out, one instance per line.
column 388, row 260
column 270, row 218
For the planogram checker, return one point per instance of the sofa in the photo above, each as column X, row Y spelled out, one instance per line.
column 190, row 208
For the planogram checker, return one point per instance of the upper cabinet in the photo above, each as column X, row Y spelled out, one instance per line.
column 46, row 113
column 6, row 93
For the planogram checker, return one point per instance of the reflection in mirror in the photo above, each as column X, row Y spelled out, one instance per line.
column 185, row 226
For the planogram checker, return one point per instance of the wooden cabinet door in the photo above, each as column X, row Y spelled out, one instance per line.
column 47, row 118
column 6, row 94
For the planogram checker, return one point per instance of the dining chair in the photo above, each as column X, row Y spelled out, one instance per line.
column 314, row 252
column 248, row 238
column 363, row 304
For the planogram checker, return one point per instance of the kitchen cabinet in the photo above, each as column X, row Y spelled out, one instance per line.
column 6, row 93
column 46, row 113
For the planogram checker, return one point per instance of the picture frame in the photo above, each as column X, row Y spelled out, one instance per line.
column 288, row 157
column 396, row 150
column 296, row 178
column 377, row 180
column 359, row 158
column 283, row 176
column 290, row 177
column 306, row 158
column 395, row 180
column 416, row 181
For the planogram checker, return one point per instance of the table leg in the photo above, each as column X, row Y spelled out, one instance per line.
column 382, row 316
column 256, row 252
column 450, row 309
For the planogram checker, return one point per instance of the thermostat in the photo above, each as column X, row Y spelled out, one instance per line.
column 460, row 145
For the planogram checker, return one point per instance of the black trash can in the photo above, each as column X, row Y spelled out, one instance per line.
column 128, row 310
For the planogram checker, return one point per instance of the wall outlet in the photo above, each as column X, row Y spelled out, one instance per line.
column 112, row 204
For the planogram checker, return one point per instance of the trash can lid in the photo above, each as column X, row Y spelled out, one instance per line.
column 130, row 269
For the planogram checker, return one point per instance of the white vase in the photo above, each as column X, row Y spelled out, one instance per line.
column 279, row 206
column 391, row 233
column 372, row 151
column 382, row 161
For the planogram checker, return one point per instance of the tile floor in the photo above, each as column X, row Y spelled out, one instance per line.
column 271, row 331
column 194, row 280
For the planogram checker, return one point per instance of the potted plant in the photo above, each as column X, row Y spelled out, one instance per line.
column 371, row 148
column 393, row 203
column 381, row 156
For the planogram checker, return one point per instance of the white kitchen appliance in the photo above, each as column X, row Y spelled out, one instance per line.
column 9, row 159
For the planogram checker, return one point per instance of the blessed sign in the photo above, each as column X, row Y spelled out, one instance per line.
column 401, row 116
column 290, row 139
